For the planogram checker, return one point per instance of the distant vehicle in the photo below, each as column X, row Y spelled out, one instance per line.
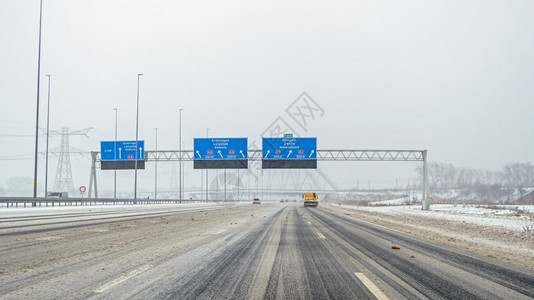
column 256, row 201
column 281, row 200
column 58, row 195
column 310, row 199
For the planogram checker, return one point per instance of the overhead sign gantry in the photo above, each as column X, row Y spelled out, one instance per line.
column 259, row 155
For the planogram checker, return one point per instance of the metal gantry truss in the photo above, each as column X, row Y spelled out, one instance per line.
column 322, row 155
column 371, row 155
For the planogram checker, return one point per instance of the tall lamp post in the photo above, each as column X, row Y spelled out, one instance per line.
column 180, row 148
column 37, row 111
column 115, row 153
column 136, row 137
column 207, row 187
column 156, row 168
column 47, row 136
column 183, row 172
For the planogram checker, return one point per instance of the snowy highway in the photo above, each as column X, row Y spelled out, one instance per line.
column 269, row 251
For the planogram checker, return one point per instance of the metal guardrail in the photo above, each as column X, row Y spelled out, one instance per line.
column 30, row 201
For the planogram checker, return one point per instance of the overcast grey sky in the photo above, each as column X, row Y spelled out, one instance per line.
column 453, row 77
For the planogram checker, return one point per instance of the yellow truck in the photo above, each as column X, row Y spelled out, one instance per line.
column 310, row 199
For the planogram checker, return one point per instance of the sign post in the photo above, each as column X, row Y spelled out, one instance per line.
column 82, row 190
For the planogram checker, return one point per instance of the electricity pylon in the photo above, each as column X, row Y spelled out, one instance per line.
column 63, row 181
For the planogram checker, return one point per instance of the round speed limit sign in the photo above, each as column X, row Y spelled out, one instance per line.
column 82, row 189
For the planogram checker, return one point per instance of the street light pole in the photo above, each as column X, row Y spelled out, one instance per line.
column 37, row 111
column 115, row 157
column 136, row 137
column 183, row 173
column 156, row 170
column 207, row 187
column 180, row 152
column 47, row 136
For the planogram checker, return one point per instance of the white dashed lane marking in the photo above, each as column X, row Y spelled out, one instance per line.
column 371, row 286
column 121, row 279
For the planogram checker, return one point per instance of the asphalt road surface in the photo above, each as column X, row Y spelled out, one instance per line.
column 269, row 251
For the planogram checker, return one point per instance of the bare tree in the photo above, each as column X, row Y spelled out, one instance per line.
column 519, row 175
column 464, row 180
column 19, row 186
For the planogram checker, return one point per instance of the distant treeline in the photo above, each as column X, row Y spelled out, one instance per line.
column 508, row 185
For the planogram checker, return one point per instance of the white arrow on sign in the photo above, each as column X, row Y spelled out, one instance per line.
column 219, row 151
column 198, row 153
column 266, row 154
column 312, row 153
column 140, row 153
column 241, row 151
column 120, row 151
column 290, row 151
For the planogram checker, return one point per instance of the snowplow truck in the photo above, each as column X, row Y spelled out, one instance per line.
column 310, row 199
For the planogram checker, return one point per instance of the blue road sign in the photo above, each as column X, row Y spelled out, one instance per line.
column 220, row 148
column 289, row 148
column 122, row 150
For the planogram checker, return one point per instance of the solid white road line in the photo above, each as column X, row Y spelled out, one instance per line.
column 371, row 286
column 121, row 279
column 321, row 235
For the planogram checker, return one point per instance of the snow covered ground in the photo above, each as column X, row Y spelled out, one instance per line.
column 512, row 217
